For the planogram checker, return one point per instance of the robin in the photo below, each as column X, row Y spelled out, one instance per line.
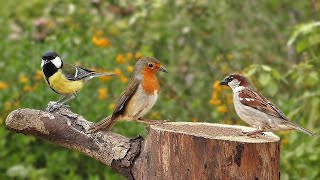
column 139, row 96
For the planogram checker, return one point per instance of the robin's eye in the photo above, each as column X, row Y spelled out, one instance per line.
column 151, row 65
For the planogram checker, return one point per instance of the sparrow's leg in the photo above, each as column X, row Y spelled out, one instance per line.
column 253, row 133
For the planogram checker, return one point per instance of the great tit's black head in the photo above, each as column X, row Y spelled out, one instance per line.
column 51, row 57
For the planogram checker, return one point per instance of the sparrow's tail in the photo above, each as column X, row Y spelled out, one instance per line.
column 105, row 124
column 294, row 126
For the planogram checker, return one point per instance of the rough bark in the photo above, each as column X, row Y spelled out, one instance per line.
column 171, row 150
column 69, row 130
column 207, row 151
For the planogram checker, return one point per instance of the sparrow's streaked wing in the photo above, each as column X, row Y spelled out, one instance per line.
column 252, row 99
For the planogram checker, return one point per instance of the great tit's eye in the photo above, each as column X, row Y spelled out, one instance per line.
column 151, row 65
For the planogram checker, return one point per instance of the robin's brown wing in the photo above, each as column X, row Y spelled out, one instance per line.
column 125, row 97
column 252, row 99
column 75, row 73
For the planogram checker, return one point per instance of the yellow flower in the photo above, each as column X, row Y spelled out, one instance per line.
column 117, row 71
column 105, row 78
column 286, row 133
column 225, row 69
column 123, row 79
column 27, row 88
column 215, row 95
column 38, row 75
column 138, row 55
column 23, row 79
column 195, row 119
column 216, row 86
column 99, row 33
column 228, row 121
column 120, row 59
column 100, row 41
column 3, row 85
column 285, row 141
column 130, row 69
column 229, row 56
column 215, row 102
column 229, row 98
column 7, row 106
column 222, row 109
column 129, row 56
column 103, row 93
column 112, row 106
column 155, row 115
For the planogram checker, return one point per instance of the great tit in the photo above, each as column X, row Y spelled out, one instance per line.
column 65, row 79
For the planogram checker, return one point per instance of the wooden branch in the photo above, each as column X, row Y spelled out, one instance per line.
column 69, row 130
column 176, row 150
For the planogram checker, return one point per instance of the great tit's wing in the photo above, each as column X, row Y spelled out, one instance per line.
column 75, row 73
column 125, row 97
column 252, row 99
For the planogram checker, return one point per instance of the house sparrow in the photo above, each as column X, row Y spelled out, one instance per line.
column 256, row 110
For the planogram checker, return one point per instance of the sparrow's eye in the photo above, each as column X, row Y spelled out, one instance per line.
column 151, row 65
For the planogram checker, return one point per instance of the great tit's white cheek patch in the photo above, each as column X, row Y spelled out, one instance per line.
column 57, row 62
column 42, row 63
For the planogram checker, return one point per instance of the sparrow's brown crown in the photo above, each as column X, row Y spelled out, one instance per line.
column 235, row 80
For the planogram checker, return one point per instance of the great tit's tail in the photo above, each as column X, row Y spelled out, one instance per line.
column 95, row 74
column 104, row 125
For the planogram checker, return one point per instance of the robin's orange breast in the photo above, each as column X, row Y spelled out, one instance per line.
column 149, row 82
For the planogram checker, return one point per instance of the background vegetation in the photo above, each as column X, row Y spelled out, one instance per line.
column 275, row 43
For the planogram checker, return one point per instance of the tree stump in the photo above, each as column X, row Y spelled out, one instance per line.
column 175, row 150
column 207, row 151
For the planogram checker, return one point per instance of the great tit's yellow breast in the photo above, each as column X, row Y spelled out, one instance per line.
column 62, row 85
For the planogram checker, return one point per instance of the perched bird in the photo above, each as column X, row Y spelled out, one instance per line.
column 139, row 96
column 65, row 79
column 256, row 110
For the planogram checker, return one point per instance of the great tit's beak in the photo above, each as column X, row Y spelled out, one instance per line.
column 224, row 82
column 163, row 69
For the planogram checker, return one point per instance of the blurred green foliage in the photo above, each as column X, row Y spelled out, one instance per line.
column 275, row 43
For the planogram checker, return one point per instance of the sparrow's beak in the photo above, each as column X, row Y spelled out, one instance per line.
column 163, row 69
column 224, row 83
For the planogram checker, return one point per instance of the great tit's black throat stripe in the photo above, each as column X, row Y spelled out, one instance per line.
column 49, row 69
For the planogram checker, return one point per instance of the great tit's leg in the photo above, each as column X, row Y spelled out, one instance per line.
column 67, row 98
column 61, row 100
column 60, row 103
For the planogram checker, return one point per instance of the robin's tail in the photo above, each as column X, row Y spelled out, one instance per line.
column 104, row 125
column 294, row 126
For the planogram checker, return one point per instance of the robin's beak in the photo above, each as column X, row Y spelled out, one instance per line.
column 163, row 69
column 224, row 83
